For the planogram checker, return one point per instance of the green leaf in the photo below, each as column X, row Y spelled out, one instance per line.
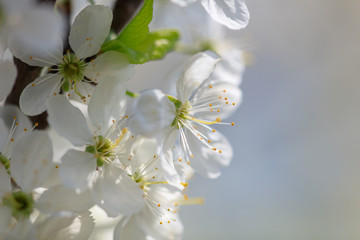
column 138, row 44
column 138, row 28
column 155, row 46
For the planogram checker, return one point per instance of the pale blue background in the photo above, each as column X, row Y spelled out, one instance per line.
column 296, row 170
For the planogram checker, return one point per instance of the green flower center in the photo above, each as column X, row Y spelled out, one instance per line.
column 182, row 112
column 21, row 204
column 5, row 162
column 207, row 45
column 137, row 177
column 103, row 150
column 72, row 69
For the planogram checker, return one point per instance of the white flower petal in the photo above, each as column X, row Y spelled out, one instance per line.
column 80, row 229
column 150, row 217
column 23, row 229
column 6, row 219
column 197, row 70
column 34, row 97
column 8, row 113
column 143, row 150
column 109, row 65
column 153, row 112
column 183, row 3
column 89, row 30
column 78, row 170
column 37, row 38
column 47, row 228
column 128, row 229
column 68, row 121
column 169, row 171
column 231, row 67
column 31, row 160
column 206, row 161
column 225, row 99
column 8, row 74
column 107, row 103
column 232, row 13
column 59, row 198
column 117, row 193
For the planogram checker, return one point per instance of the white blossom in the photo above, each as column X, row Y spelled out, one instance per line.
column 231, row 13
column 72, row 73
column 98, row 168
column 198, row 105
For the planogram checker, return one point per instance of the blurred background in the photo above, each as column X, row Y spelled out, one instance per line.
column 295, row 174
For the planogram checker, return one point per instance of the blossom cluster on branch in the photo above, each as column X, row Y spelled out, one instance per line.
column 128, row 153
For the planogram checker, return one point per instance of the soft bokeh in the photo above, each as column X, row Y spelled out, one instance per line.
column 295, row 174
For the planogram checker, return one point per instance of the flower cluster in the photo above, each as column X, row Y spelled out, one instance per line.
column 106, row 148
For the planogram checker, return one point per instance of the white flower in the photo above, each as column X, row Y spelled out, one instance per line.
column 197, row 106
column 231, row 13
column 30, row 166
column 98, row 167
column 157, row 220
column 200, row 33
column 73, row 74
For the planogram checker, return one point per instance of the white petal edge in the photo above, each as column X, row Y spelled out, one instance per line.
column 8, row 73
column 89, row 30
column 197, row 69
column 68, row 121
column 80, row 229
column 107, row 103
column 231, row 13
column 33, row 99
column 109, row 65
column 183, row 3
column 206, row 161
